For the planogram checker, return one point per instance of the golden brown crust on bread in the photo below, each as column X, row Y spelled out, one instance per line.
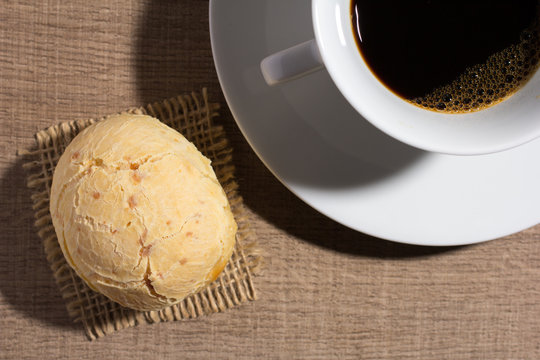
column 139, row 213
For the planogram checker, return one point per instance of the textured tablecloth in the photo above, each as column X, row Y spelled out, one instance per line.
column 326, row 291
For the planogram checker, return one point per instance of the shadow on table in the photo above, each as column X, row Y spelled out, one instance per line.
column 26, row 281
column 173, row 51
column 174, row 56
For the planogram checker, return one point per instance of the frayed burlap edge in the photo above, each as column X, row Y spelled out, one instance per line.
column 192, row 116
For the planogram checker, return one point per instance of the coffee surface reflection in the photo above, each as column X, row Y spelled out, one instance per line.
column 450, row 56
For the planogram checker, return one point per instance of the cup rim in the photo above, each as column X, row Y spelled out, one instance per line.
column 399, row 107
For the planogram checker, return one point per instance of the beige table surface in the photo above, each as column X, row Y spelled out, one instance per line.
column 326, row 291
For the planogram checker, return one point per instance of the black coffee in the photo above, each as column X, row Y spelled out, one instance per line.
column 452, row 56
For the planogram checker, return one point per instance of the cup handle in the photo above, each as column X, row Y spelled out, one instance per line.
column 292, row 63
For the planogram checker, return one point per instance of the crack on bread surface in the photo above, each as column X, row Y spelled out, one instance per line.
column 149, row 285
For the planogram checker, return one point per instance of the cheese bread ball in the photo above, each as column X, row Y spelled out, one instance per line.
column 139, row 213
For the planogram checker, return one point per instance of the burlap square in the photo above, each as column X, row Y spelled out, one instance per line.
column 192, row 116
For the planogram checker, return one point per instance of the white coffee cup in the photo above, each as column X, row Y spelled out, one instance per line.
column 510, row 123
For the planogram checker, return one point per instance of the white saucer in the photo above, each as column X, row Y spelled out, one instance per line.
column 322, row 150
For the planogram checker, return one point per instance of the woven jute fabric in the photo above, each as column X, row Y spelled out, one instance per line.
column 192, row 115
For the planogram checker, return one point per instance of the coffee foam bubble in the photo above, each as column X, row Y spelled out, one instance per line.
column 491, row 82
